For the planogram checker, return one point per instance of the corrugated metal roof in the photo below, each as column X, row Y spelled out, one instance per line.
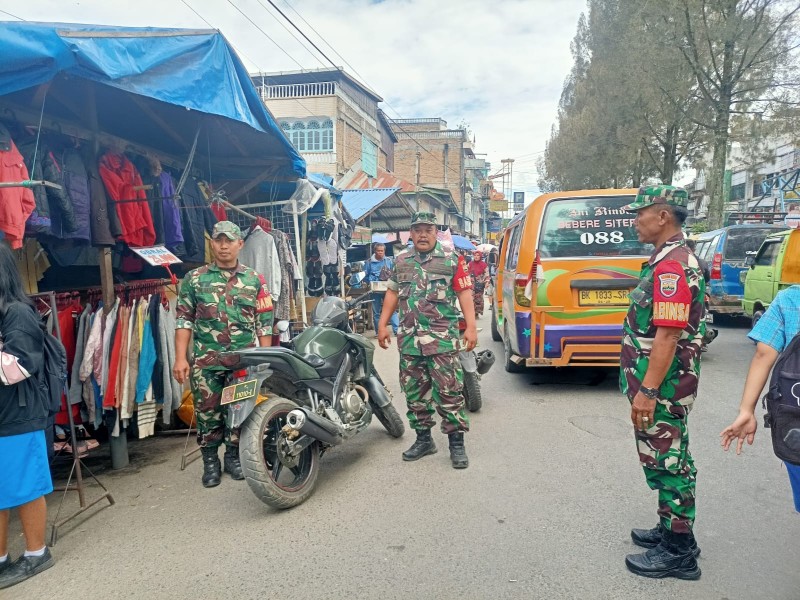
column 360, row 202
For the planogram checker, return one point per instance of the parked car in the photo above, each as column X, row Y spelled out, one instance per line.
column 567, row 264
column 726, row 250
column 774, row 267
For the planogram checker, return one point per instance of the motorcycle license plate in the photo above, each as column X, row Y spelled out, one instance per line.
column 239, row 391
column 709, row 318
column 603, row 297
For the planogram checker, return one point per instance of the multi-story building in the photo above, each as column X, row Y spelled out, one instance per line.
column 331, row 118
column 430, row 154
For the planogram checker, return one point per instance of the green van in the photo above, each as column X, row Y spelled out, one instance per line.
column 775, row 266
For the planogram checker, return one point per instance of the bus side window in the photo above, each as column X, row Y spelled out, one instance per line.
column 513, row 247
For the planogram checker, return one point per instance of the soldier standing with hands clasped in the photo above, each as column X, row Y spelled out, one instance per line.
column 227, row 306
column 659, row 370
column 426, row 282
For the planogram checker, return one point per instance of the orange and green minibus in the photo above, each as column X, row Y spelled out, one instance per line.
column 567, row 264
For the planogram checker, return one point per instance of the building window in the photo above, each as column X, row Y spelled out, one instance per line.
column 313, row 137
column 299, row 136
column 310, row 136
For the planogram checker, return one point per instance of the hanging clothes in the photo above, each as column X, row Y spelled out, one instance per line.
column 283, row 301
column 173, row 234
column 75, row 385
column 157, row 377
column 76, row 184
column 132, row 369
column 105, row 225
column 172, row 389
column 197, row 220
column 16, row 203
column 39, row 221
column 261, row 254
column 120, row 178
column 110, row 395
column 147, row 359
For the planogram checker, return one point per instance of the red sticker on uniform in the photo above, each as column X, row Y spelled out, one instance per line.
column 461, row 280
column 672, row 298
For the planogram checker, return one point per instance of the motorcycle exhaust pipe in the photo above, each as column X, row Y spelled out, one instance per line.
column 315, row 426
column 486, row 359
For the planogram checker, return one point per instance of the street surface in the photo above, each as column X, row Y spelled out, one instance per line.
column 544, row 510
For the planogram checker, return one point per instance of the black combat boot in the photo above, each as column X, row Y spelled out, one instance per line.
column 458, row 454
column 232, row 466
column 650, row 538
column 422, row 447
column 673, row 557
column 212, row 470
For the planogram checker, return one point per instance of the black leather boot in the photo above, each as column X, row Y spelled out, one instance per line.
column 231, row 464
column 212, row 470
column 422, row 447
column 458, row 454
column 650, row 538
column 673, row 557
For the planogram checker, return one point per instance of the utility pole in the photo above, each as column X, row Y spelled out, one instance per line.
column 508, row 192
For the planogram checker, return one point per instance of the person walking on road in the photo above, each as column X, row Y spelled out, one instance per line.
column 24, row 469
column 426, row 282
column 379, row 268
column 772, row 334
column 659, row 371
column 227, row 306
column 479, row 272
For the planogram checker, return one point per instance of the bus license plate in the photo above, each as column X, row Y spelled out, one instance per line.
column 603, row 297
column 239, row 391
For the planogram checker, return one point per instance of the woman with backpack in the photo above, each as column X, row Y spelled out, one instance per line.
column 24, row 469
column 773, row 333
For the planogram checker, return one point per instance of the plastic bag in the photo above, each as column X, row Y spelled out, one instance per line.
column 306, row 196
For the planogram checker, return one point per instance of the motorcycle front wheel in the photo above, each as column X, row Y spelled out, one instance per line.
column 277, row 479
column 390, row 419
column 472, row 392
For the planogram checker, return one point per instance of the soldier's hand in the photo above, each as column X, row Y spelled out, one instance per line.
column 384, row 337
column 642, row 411
column 180, row 370
column 743, row 428
column 470, row 338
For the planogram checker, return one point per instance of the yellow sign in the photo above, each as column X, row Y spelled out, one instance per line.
column 498, row 205
column 239, row 391
column 603, row 297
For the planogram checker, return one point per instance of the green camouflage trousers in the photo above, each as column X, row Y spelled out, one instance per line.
column 668, row 465
column 207, row 385
column 434, row 380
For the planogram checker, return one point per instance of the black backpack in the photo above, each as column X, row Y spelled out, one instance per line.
column 54, row 374
column 782, row 403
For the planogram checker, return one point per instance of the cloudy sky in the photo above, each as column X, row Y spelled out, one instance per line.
column 498, row 65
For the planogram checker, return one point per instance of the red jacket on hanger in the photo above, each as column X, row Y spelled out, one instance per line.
column 16, row 203
column 120, row 177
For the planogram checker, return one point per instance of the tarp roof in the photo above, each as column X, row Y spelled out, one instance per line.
column 386, row 209
column 147, row 83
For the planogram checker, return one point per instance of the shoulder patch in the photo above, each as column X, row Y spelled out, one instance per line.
column 668, row 283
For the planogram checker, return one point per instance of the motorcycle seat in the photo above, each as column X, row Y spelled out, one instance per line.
column 257, row 356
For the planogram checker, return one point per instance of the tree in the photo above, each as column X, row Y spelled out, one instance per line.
column 742, row 55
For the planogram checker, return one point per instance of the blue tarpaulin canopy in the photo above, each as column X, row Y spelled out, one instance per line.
column 152, row 87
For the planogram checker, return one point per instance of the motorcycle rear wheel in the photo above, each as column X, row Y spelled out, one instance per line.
column 274, row 483
column 473, row 399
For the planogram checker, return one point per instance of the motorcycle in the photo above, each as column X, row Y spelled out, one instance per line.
column 474, row 365
column 711, row 332
column 322, row 391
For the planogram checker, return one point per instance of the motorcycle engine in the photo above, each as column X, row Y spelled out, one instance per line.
column 352, row 403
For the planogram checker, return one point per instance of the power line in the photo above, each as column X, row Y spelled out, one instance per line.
column 301, row 32
column 265, row 33
column 314, row 56
column 5, row 12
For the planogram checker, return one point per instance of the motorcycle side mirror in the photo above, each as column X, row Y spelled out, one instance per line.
column 750, row 261
column 282, row 326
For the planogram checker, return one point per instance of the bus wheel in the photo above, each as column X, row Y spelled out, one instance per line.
column 510, row 365
column 495, row 332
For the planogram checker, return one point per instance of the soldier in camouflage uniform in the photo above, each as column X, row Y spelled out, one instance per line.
column 426, row 282
column 227, row 306
column 659, row 370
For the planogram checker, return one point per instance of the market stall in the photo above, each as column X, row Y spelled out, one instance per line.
column 120, row 148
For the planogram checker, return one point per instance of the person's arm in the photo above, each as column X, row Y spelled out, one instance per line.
column 21, row 352
column 390, row 302
column 184, row 324
column 745, row 425
column 265, row 314
column 661, row 356
column 468, row 308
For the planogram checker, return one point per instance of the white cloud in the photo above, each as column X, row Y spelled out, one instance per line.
column 499, row 65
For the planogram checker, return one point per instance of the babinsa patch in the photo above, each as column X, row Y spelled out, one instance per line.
column 668, row 283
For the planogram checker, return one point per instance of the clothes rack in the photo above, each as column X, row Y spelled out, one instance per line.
column 77, row 464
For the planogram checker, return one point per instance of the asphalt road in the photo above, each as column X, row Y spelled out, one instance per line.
column 544, row 511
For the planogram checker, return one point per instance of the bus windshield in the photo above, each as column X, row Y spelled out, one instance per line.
column 577, row 227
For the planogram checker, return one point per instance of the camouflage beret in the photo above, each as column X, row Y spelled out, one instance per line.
column 423, row 217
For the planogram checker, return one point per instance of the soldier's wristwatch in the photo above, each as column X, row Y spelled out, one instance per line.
column 651, row 393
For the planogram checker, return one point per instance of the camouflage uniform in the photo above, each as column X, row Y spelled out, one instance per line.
column 227, row 309
column 428, row 336
column 670, row 293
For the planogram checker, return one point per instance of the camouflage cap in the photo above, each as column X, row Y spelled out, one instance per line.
column 423, row 217
column 228, row 229
column 658, row 194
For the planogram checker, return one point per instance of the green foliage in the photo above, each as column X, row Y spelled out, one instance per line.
column 699, row 227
